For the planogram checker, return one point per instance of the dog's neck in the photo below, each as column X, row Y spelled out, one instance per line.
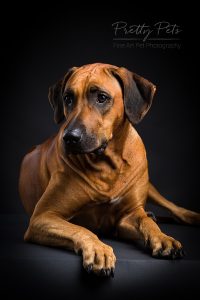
column 104, row 170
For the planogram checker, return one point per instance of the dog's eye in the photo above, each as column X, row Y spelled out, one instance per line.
column 68, row 99
column 101, row 98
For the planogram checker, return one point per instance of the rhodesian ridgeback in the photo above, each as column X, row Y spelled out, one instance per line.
column 92, row 177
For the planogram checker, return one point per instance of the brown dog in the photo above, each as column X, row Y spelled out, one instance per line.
column 92, row 176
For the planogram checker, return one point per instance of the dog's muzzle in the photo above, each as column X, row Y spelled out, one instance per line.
column 76, row 142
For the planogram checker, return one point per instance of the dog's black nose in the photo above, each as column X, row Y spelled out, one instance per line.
column 72, row 136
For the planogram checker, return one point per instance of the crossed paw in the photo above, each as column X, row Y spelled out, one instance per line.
column 98, row 258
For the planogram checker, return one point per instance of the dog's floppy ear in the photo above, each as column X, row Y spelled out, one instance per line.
column 55, row 96
column 138, row 94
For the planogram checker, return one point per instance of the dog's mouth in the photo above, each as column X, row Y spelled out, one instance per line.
column 78, row 150
column 100, row 150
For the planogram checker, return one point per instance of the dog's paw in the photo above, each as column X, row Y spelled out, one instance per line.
column 98, row 258
column 164, row 246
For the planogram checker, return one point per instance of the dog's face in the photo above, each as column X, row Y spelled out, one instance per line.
column 94, row 101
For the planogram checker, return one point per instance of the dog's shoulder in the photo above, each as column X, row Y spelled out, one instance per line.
column 134, row 149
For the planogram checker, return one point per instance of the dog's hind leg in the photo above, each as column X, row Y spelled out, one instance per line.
column 180, row 213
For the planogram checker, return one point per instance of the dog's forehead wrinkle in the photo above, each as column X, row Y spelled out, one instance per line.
column 85, row 79
column 88, row 70
column 107, row 72
column 93, row 69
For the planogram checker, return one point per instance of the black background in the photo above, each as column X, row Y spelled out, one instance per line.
column 39, row 45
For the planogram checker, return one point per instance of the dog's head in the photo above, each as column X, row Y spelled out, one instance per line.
column 94, row 100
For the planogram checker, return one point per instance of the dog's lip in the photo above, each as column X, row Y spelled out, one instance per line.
column 100, row 149
column 97, row 151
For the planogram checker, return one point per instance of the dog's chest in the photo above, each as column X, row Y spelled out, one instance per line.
column 113, row 185
column 115, row 200
column 100, row 215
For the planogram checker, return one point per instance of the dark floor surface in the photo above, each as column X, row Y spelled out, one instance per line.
column 31, row 271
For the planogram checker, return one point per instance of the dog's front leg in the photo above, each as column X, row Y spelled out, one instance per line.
column 139, row 226
column 48, row 226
